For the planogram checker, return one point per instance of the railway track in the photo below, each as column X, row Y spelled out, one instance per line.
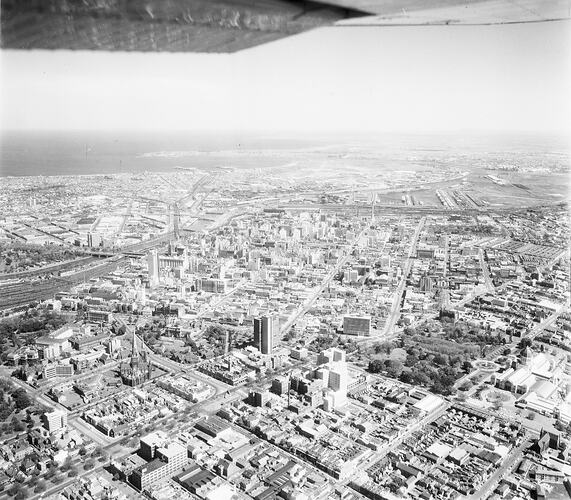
column 14, row 295
column 19, row 294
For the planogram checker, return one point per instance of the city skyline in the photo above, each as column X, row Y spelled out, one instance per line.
column 335, row 266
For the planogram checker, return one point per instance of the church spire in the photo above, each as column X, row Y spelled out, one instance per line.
column 134, row 351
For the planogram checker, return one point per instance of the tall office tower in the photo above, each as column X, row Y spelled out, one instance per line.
column 266, row 329
column 426, row 284
column 356, row 325
column 94, row 240
column 55, row 420
column 153, row 265
column 338, row 377
column 337, row 383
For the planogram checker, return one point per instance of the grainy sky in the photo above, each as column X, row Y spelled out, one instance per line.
column 399, row 79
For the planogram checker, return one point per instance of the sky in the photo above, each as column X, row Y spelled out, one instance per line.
column 506, row 78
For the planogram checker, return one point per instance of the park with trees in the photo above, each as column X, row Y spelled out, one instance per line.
column 433, row 356
column 25, row 328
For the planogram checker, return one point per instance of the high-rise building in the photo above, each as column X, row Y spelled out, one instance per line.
column 175, row 264
column 153, row 265
column 357, row 325
column 330, row 355
column 94, row 240
column 338, row 377
column 426, row 284
column 213, row 285
column 52, row 370
column 258, row 397
column 166, row 458
column 280, row 385
column 113, row 345
column 266, row 333
column 99, row 316
column 55, row 420
column 333, row 376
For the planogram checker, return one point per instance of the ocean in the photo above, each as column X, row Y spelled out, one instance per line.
column 87, row 153
column 83, row 153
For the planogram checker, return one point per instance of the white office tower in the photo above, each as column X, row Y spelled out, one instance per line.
column 153, row 267
column 334, row 374
column 266, row 333
column 331, row 355
column 338, row 377
column 336, row 394
column 94, row 240
column 55, row 420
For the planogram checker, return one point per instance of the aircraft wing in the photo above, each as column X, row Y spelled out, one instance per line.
column 232, row 25
column 450, row 12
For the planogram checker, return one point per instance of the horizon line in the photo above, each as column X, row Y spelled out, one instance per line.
column 304, row 134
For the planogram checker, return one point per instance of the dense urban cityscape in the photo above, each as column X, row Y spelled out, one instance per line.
column 318, row 330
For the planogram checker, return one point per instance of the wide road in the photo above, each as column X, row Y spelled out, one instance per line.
column 73, row 421
column 221, row 300
column 485, row 270
column 319, row 289
column 508, row 464
column 395, row 309
column 68, row 482
column 395, row 443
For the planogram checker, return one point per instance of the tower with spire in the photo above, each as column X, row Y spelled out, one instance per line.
column 373, row 208
column 134, row 353
column 138, row 369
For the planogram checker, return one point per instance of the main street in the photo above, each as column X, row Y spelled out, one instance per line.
column 73, row 420
column 485, row 270
column 316, row 292
column 217, row 303
column 64, row 484
column 395, row 309
column 507, row 465
column 395, row 443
